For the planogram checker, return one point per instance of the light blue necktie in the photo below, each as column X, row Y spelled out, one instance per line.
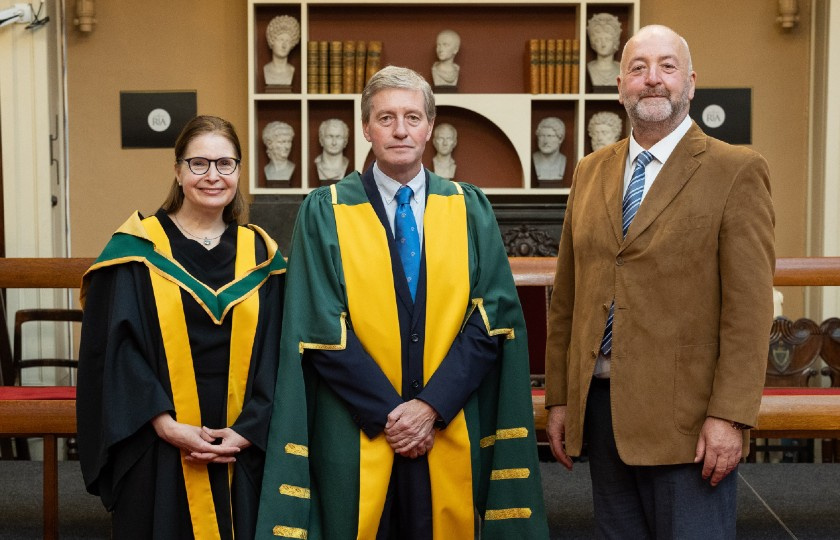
column 632, row 201
column 408, row 239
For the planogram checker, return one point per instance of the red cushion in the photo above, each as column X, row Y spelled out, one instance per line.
column 793, row 391
column 37, row 392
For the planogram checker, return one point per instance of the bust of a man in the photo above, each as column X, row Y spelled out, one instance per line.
column 283, row 35
column 331, row 163
column 278, row 137
column 604, row 31
column 445, row 70
column 549, row 163
column 444, row 139
column 604, row 128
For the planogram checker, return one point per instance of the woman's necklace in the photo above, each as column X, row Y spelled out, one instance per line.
column 206, row 240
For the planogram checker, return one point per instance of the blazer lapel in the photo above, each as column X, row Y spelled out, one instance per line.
column 676, row 172
column 612, row 183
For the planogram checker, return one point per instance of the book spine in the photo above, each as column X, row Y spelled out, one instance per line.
column 336, row 67
column 361, row 64
column 575, row 65
column 542, row 66
column 550, row 61
column 323, row 67
column 374, row 59
column 349, row 71
column 534, row 56
column 312, row 67
column 567, row 66
column 559, row 62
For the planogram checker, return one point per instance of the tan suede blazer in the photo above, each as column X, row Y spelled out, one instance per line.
column 692, row 283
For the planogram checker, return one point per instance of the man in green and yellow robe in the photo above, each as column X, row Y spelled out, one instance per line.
column 364, row 347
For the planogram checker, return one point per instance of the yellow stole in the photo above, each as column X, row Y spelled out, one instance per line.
column 372, row 302
column 179, row 360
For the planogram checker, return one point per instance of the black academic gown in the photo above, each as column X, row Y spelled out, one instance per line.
column 359, row 381
column 124, row 383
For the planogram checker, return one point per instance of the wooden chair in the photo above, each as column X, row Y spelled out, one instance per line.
column 6, row 370
column 831, row 355
column 22, row 317
column 791, row 361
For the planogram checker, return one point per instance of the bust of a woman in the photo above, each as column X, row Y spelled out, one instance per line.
column 604, row 31
column 283, row 35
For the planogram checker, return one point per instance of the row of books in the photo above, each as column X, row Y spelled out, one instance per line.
column 341, row 67
column 555, row 65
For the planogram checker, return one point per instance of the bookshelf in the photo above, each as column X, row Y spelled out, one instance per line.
column 494, row 111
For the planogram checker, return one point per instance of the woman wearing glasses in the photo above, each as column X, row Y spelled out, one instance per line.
column 179, row 354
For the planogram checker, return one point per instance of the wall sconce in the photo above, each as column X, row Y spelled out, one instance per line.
column 788, row 13
column 85, row 15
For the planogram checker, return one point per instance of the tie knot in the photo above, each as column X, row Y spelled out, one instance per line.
column 644, row 158
column 404, row 195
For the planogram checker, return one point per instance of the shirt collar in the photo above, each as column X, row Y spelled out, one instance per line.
column 388, row 186
column 663, row 149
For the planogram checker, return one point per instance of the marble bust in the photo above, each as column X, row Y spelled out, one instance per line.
column 549, row 163
column 444, row 139
column 604, row 128
column 604, row 32
column 331, row 163
column 445, row 71
column 278, row 137
column 283, row 35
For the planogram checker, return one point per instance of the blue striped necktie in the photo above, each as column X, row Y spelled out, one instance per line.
column 408, row 239
column 632, row 201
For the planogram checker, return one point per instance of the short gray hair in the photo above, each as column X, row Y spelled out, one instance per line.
column 397, row 77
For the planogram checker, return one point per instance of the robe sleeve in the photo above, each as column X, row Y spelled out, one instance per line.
column 119, row 384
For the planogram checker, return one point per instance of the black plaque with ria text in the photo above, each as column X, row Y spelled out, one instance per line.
column 724, row 113
column 154, row 119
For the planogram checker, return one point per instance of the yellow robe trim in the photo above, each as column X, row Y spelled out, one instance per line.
column 289, row 532
column 447, row 269
column 182, row 373
column 373, row 309
column 479, row 304
column 372, row 305
column 340, row 346
column 507, row 513
column 502, row 434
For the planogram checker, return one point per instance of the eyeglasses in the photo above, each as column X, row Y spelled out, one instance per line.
column 200, row 165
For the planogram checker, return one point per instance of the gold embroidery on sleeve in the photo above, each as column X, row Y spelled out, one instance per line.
column 297, row 450
column 507, row 513
column 296, row 491
column 509, row 474
column 502, row 434
column 289, row 532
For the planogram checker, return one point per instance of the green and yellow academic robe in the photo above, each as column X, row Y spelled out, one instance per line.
column 328, row 466
column 172, row 327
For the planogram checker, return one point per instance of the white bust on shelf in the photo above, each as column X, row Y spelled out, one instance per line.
column 604, row 31
column 549, row 163
column 604, row 129
column 278, row 137
column 444, row 139
column 445, row 71
column 283, row 35
column 331, row 163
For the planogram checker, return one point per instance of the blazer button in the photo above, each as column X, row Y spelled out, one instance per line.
column 415, row 384
column 594, row 354
column 414, row 338
column 605, row 307
column 619, row 260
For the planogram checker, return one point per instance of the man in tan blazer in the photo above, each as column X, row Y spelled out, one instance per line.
column 658, row 336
